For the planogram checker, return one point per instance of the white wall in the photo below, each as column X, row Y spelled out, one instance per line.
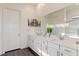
column 0, row 28
column 27, row 11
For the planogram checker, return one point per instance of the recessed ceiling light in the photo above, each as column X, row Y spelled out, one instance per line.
column 41, row 4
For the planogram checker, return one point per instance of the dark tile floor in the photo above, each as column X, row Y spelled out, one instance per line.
column 19, row 52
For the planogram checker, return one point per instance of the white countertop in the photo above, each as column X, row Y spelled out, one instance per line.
column 68, row 42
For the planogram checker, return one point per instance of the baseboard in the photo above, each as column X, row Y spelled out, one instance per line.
column 12, row 50
column 23, row 47
column 33, row 51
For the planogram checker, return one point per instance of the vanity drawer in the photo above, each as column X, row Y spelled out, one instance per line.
column 67, row 51
column 53, row 45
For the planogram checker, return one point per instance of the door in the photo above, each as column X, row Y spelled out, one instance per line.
column 0, row 30
column 31, row 43
column 44, row 48
column 11, row 29
column 66, row 51
column 53, row 49
column 37, row 46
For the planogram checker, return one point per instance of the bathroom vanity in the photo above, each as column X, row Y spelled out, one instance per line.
column 45, row 46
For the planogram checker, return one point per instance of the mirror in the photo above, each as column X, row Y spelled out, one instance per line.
column 63, row 21
column 57, row 20
column 72, row 19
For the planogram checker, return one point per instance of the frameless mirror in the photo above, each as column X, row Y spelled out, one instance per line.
column 57, row 20
column 72, row 18
column 64, row 21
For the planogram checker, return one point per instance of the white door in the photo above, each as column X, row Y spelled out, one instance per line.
column 0, row 30
column 53, row 49
column 44, row 48
column 37, row 46
column 66, row 51
column 31, row 42
column 11, row 29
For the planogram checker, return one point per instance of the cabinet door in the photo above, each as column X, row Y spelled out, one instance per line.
column 37, row 46
column 53, row 49
column 31, row 42
column 78, row 52
column 44, row 48
column 0, row 30
column 65, row 51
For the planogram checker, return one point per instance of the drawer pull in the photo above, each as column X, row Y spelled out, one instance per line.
column 67, row 50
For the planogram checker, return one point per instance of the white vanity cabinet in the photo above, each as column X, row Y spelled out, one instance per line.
column 31, row 42
column 78, row 52
column 48, row 47
column 66, row 51
column 53, row 49
column 44, row 48
column 38, row 46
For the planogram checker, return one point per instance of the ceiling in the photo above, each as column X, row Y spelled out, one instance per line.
column 44, row 9
column 41, row 8
column 19, row 4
